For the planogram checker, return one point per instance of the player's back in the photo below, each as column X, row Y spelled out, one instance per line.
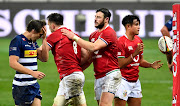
column 67, row 54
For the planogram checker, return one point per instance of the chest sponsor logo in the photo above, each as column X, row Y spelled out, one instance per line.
column 130, row 48
column 30, row 53
column 135, row 64
column 136, row 59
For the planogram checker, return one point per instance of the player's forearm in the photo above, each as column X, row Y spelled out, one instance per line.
column 86, row 45
column 145, row 64
column 20, row 68
column 45, row 51
column 123, row 62
column 169, row 57
column 165, row 32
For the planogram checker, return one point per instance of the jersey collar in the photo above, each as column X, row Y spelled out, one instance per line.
column 61, row 26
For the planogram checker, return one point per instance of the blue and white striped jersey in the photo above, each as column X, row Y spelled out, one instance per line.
column 26, row 51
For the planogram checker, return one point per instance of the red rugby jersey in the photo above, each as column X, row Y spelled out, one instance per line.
column 67, row 54
column 127, row 47
column 105, row 59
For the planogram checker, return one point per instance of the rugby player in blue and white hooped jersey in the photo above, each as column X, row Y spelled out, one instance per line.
column 23, row 54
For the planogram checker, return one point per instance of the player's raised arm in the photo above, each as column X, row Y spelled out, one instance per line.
column 43, row 51
column 165, row 31
column 83, row 43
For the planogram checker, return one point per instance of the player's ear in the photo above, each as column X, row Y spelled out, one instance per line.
column 107, row 19
column 128, row 26
column 53, row 26
column 33, row 31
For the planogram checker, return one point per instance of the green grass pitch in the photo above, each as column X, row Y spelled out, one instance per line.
column 156, row 84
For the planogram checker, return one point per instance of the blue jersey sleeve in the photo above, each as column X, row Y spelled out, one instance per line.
column 169, row 24
column 15, row 47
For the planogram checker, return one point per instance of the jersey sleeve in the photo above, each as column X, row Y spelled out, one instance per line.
column 106, row 37
column 121, row 49
column 52, row 39
column 15, row 47
column 169, row 24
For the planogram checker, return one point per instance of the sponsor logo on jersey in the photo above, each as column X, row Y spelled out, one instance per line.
column 23, row 39
column 30, row 53
column 93, row 40
column 135, row 64
column 130, row 48
column 27, row 45
column 12, row 48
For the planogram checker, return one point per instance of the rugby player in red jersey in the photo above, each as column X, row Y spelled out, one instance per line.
column 103, row 45
column 130, row 57
column 67, row 56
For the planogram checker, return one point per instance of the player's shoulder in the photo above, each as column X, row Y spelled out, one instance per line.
column 18, row 38
column 122, row 38
column 93, row 33
column 109, row 30
column 138, row 38
column 55, row 33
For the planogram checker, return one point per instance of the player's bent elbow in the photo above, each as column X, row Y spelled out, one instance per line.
column 44, row 60
column 12, row 64
column 121, row 66
column 162, row 30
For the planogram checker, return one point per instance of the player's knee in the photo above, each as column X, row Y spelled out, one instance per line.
column 79, row 101
column 59, row 101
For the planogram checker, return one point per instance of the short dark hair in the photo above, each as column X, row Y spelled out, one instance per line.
column 36, row 25
column 56, row 18
column 129, row 19
column 105, row 11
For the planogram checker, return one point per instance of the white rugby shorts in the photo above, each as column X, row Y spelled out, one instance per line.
column 129, row 89
column 71, row 85
column 108, row 83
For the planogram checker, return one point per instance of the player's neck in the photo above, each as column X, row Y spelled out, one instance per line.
column 27, row 35
column 56, row 28
column 130, row 36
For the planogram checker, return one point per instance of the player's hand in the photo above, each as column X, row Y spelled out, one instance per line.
column 156, row 65
column 44, row 29
column 140, row 47
column 170, row 67
column 68, row 33
column 39, row 75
